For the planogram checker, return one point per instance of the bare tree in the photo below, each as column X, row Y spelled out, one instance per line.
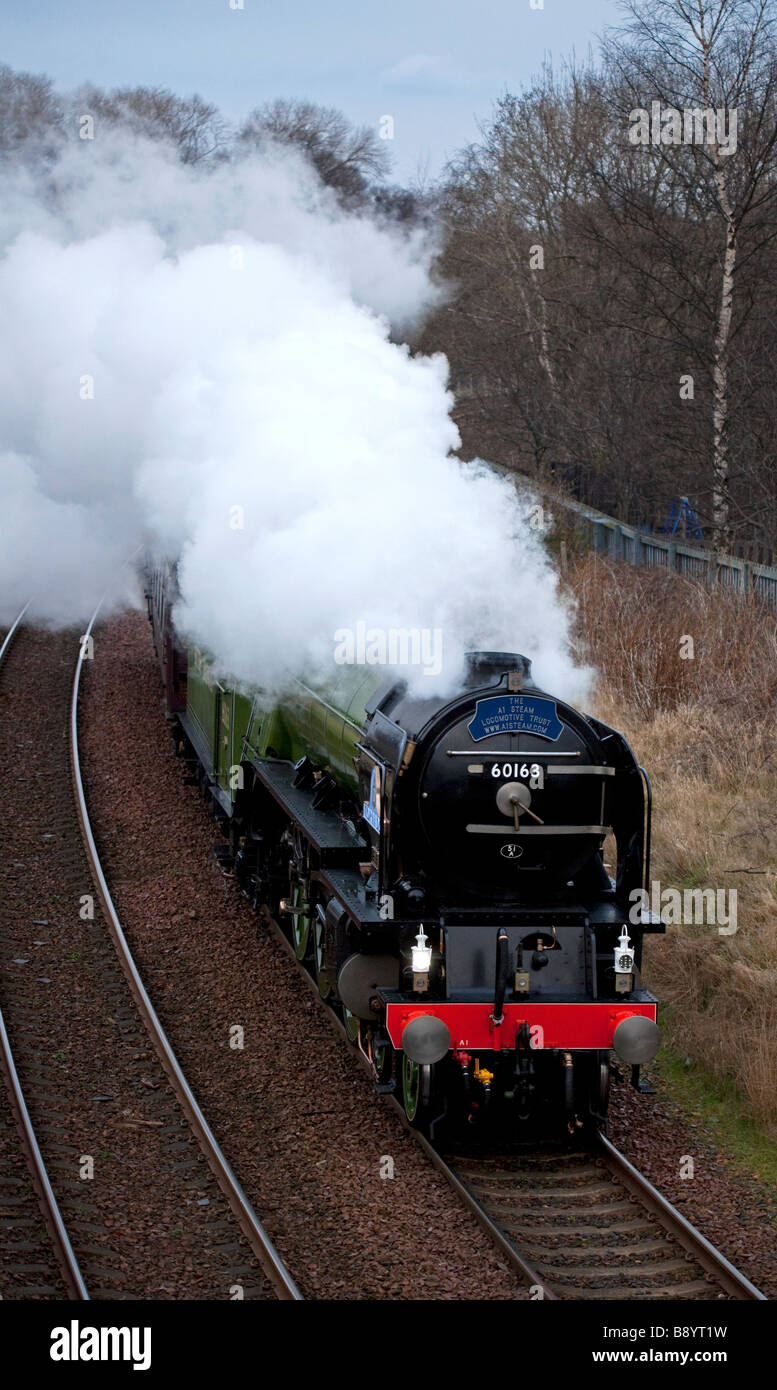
column 30, row 114
column 543, row 377
column 346, row 157
column 192, row 125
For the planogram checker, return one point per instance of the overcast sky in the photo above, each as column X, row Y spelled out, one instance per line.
column 435, row 66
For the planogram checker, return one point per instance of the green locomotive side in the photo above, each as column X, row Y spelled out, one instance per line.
column 201, row 707
column 227, row 725
column 216, row 721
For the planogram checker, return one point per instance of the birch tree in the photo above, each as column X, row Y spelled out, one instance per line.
column 703, row 73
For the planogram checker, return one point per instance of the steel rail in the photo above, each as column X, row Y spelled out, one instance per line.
column 52, row 1216
column 511, row 1253
column 273, row 1266
column 9, row 636
column 736, row 1284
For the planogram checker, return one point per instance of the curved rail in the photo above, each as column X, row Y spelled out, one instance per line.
column 52, row 1216
column 9, row 636
column 539, row 1286
column 736, row 1284
column 261, row 1245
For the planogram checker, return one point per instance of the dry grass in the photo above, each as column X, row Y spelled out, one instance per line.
column 706, row 730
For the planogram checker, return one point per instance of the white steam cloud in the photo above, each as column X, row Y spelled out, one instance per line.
column 207, row 363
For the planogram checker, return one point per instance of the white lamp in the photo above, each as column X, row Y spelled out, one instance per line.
column 422, row 959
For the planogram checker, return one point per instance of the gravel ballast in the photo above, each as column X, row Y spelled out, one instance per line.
column 732, row 1209
column 144, row 1215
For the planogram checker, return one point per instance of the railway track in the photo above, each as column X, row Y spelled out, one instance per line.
column 27, row 1197
column 94, row 1089
column 592, row 1227
column 579, row 1224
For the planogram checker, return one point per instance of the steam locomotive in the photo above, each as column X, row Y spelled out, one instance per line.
column 438, row 865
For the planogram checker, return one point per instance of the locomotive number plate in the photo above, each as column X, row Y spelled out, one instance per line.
column 533, row 773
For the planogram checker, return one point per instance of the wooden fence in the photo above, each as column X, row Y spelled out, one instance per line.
column 625, row 543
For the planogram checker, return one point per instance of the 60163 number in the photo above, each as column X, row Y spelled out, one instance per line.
column 511, row 770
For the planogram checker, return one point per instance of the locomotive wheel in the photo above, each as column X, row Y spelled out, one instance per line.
column 416, row 1090
column 352, row 1024
column 300, row 924
column 322, row 977
column 601, row 1089
column 382, row 1060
